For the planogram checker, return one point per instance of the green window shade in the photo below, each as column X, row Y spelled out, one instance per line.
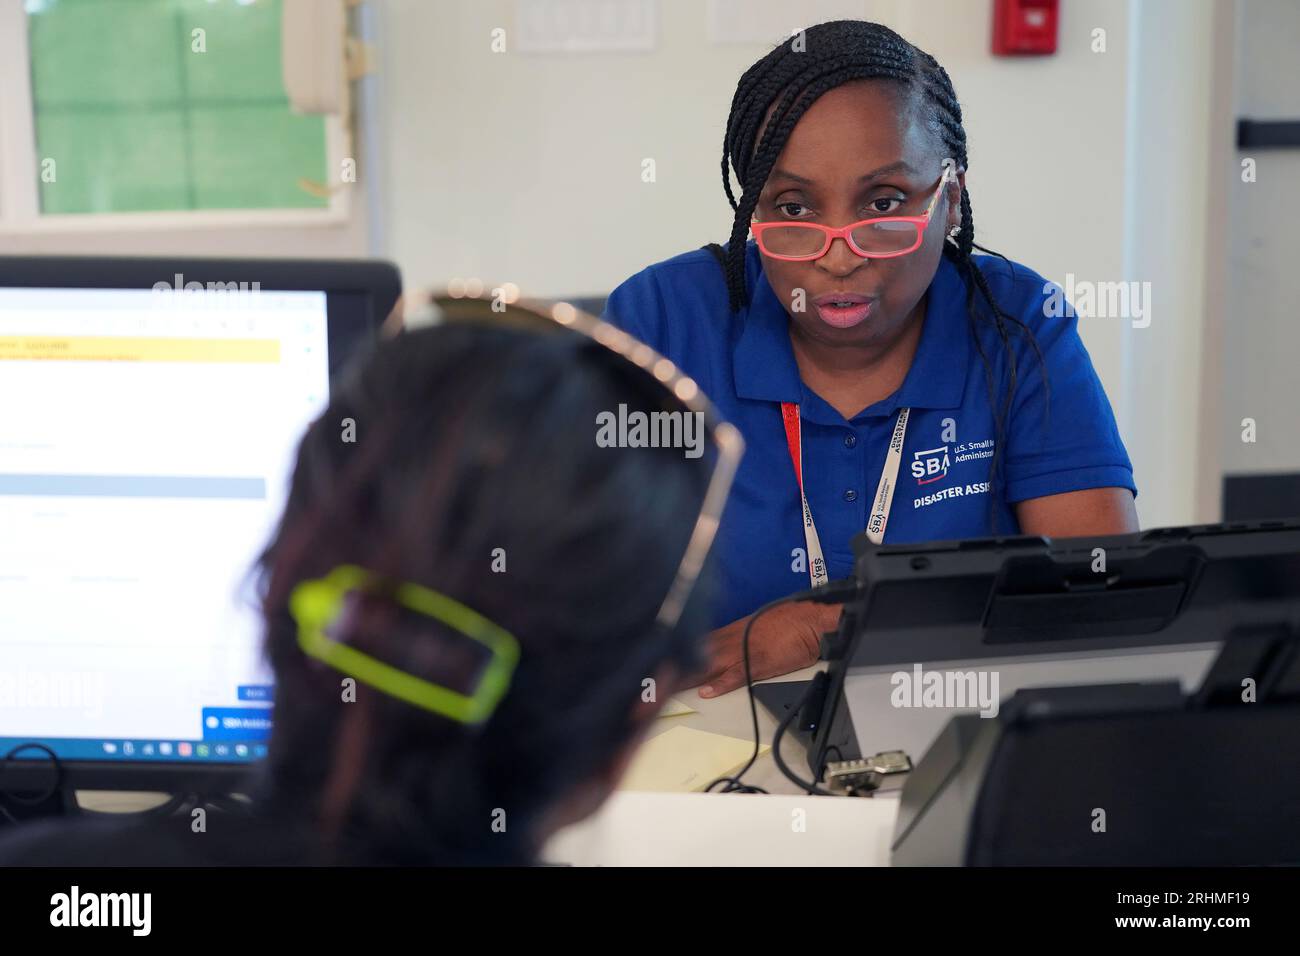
column 137, row 120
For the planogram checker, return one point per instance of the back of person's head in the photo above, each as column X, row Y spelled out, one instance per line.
column 463, row 459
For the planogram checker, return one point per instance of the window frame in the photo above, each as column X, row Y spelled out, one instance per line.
column 20, row 212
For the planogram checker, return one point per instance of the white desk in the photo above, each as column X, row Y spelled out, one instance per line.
column 714, row 829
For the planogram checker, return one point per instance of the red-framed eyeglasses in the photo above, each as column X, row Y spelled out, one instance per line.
column 881, row 238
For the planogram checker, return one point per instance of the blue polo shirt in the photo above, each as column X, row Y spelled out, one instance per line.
column 745, row 363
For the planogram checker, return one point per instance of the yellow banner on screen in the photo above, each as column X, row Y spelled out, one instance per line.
column 77, row 348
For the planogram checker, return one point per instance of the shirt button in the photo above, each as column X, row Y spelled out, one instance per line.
column 850, row 495
column 850, row 440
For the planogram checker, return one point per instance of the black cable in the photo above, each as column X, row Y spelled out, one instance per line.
column 733, row 783
column 229, row 803
column 835, row 592
column 54, row 788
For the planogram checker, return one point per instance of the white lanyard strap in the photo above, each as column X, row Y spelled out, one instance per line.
column 879, row 506
column 888, row 481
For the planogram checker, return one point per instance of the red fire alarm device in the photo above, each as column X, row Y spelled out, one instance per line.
column 1024, row 27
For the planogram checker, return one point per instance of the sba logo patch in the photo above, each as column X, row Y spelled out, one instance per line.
column 930, row 465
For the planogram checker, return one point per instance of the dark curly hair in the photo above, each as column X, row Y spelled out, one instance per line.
column 470, row 439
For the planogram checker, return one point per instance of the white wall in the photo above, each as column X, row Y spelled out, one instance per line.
column 527, row 167
column 1261, row 333
column 1179, row 151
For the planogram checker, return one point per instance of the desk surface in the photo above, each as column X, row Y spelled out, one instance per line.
column 729, row 715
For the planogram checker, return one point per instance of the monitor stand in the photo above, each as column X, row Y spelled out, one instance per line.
column 781, row 697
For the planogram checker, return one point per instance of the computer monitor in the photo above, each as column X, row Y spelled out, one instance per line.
column 955, row 627
column 150, row 410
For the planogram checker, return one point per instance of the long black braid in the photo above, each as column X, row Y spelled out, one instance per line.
column 792, row 77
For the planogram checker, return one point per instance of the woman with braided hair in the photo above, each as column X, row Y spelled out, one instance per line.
column 885, row 377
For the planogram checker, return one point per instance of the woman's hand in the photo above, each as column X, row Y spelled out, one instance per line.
column 785, row 639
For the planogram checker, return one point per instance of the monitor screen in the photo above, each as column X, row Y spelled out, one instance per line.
column 146, row 444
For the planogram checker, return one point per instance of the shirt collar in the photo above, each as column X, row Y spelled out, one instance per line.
column 765, row 367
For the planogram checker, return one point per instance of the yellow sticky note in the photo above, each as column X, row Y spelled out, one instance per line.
column 676, row 708
column 683, row 760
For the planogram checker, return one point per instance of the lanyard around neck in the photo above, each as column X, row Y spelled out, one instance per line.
column 879, row 505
